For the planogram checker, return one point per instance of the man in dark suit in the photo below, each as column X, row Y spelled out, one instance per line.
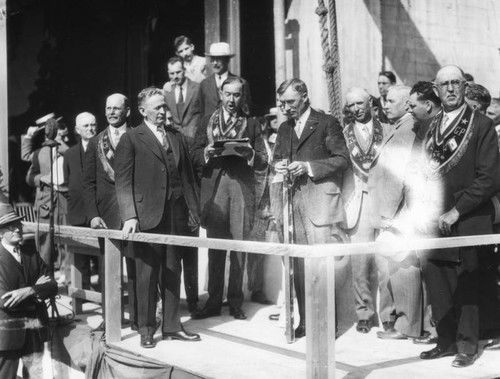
column 99, row 189
column 184, row 104
column 210, row 100
column 227, row 191
column 85, row 127
column 311, row 149
column 462, row 160
column 365, row 136
column 24, row 283
column 156, row 192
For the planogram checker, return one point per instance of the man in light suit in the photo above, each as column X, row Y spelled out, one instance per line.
column 195, row 65
column 210, row 100
column 386, row 190
column 25, row 282
column 365, row 137
column 184, row 104
column 227, row 191
column 461, row 160
column 99, row 189
column 311, row 149
column 156, row 192
column 85, row 126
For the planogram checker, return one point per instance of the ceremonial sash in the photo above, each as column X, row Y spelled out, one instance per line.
column 215, row 130
column 442, row 153
column 362, row 160
column 106, row 153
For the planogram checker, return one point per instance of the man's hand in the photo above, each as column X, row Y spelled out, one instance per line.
column 281, row 167
column 297, row 169
column 244, row 151
column 32, row 130
column 98, row 223
column 130, row 226
column 43, row 279
column 212, row 152
column 17, row 296
column 447, row 220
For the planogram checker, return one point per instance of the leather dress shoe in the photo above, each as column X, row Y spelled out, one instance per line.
column 147, row 342
column 463, row 360
column 438, row 352
column 391, row 335
column 493, row 345
column 181, row 335
column 388, row 325
column 193, row 307
column 364, row 326
column 237, row 313
column 426, row 339
column 205, row 313
column 300, row 331
column 274, row 317
column 259, row 297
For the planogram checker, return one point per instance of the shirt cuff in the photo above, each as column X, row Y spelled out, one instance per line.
column 309, row 170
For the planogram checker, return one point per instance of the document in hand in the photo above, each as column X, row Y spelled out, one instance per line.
column 229, row 145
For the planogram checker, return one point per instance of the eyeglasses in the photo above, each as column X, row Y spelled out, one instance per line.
column 455, row 84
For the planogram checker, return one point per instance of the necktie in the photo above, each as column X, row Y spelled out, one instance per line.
column 298, row 127
column 219, row 84
column 180, row 100
column 116, row 137
column 164, row 143
column 17, row 253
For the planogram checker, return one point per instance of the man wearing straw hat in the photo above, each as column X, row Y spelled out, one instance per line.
column 24, row 283
column 210, row 100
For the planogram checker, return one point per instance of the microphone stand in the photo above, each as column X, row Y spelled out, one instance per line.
column 55, row 316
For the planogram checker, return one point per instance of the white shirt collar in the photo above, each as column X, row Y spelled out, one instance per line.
column 10, row 249
column 226, row 114
column 151, row 126
column 454, row 113
column 222, row 77
column 368, row 125
column 121, row 129
column 184, row 89
column 303, row 118
column 84, row 145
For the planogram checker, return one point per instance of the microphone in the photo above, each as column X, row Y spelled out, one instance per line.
column 51, row 129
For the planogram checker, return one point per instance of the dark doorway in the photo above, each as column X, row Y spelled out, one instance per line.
column 257, row 53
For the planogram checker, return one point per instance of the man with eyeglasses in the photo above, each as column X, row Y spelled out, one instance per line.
column 461, row 163
column 25, row 282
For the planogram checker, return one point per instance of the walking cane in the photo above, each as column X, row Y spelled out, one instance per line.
column 288, row 237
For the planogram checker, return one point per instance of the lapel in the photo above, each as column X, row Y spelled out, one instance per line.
column 189, row 96
column 212, row 85
column 79, row 156
column 149, row 139
column 7, row 257
column 171, row 104
column 174, row 144
column 309, row 128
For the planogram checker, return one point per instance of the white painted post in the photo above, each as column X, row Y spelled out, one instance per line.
column 113, row 286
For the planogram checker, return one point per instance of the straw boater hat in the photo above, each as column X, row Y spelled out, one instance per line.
column 273, row 112
column 220, row 49
column 8, row 215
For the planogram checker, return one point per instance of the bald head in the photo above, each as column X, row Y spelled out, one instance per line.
column 396, row 105
column 450, row 87
column 85, row 125
column 358, row 104
column 117, row 109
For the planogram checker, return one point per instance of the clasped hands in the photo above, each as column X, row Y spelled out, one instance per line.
column 20, row 294
column 295, row 169
column 243, row 151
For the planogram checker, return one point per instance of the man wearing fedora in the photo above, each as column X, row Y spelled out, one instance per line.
column 25, row 282
column 220, row 54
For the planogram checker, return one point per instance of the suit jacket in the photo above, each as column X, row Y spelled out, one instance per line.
column 386, row 182
column 322, row 144
column 236, row 167
column 73, row 176
column 99, row 184
column 30, row 316
column 471, row 181
column 141, row 175
column 210, row 98
column 188, row 121
column 356, row 176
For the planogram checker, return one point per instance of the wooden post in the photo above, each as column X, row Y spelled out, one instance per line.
column 320, row 317
column 233, row 18
column 113, row 286
column 279, row 41
column 212, row 27
column 4, row 129
column 76, row 280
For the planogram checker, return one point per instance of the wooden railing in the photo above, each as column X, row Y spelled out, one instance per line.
column 319, row 276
